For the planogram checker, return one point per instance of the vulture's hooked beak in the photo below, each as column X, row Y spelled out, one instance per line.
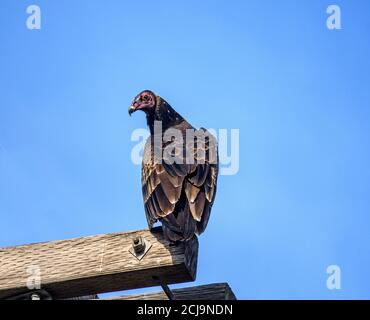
column 131, row 110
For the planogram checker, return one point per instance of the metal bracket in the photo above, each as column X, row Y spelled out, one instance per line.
column 166, row 289
column 140, row 247
column 32, row 295
column 170, row 295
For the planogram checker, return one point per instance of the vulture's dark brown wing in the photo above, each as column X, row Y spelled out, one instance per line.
column 181, row 195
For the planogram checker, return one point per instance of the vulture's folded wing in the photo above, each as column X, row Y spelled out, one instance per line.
column 192, row 178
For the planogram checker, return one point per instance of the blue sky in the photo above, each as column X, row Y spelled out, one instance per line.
column 298, row 92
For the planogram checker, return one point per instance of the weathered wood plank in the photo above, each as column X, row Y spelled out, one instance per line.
column 216, row 291
column 96, row 264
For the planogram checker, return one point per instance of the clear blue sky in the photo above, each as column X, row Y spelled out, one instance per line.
column 299, row 93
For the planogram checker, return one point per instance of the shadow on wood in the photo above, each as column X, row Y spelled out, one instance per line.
column 217, row 291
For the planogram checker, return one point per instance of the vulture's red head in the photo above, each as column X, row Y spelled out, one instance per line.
column 145, row 101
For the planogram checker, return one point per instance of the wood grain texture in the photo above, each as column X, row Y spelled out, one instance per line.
column 217, row 291
column 96, row 264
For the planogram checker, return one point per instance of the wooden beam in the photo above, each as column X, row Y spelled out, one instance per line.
column 96, row 264
column 217, row 291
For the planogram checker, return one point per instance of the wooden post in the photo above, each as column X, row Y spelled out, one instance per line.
column 96, row 264
column 217, row 291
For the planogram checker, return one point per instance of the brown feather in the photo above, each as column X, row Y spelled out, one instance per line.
column 197, row 206
column 200, row 175
column 191, row 192
column 164, row 204
column 201, row 226
column 172, row 193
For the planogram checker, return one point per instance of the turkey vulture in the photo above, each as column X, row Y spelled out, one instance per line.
column 179, row 170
